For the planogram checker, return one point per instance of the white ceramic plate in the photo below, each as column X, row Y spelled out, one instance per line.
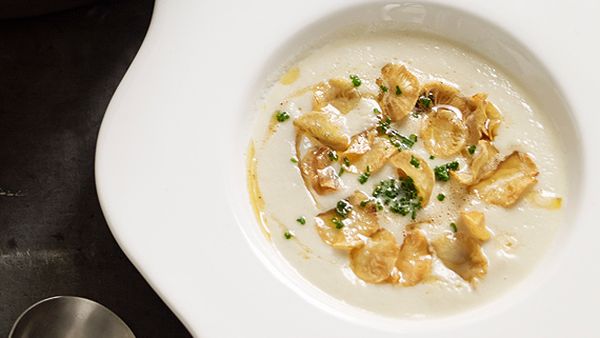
column 171, row 163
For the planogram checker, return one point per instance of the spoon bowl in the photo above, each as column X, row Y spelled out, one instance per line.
column 73, row 317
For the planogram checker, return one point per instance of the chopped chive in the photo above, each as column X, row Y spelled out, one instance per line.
column 342, row 171
column 399, row 195
column 362, row 179
column 452, row 165
column 346, row 162
column 376, row 111
column 398, row 91
column 441, row 197
column 383, row 88
column 293, row 159
column 343, row 207
column 431, row 157
column 333, row 156
column 442, row 172
column 425, row 101
column 301, row 220
column 355, row 80
column 414, row 161
column 281, row 116
column 413, row 138
column 453, row 226
column 472, row 149
column 288, row 235
column 338, row 224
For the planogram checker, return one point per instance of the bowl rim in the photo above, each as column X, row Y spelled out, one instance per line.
column 114, row 165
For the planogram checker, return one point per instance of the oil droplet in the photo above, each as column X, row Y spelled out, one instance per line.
column 290, row 76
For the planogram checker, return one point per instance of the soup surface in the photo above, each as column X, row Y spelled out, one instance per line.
column 405, row 175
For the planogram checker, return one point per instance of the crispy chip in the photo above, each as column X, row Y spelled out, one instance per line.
column 326, row 126
column 443, row 133
column 375, row 261
column 402, row 91
column 494, row 119
column 473, row 222
column 414, row 260
column 483, row 118
column 475, row 118
column 422, row 174
column 481, row 163
column 360, row 223
column 316, row 171
column 462, row 254
column 339, row 93
column 359, row 145
column 513, row 177
column 442, row 95
column 380, row 150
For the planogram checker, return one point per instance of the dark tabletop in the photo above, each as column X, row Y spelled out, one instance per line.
column 58, row 71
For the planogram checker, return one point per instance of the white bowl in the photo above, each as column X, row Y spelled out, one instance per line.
column 171, row 163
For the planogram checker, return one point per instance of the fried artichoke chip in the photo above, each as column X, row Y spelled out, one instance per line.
column 494, row 119
column 339, row 93
column 328, row 179
column 360, row 144
column 412, row 165
column 414, row 261
column 483, row 118
column 326, row 126
column 316, row 171
column 473, row 222
column 481, row 163
column 402, row 91
column 375, row 261
column 513, row 177
column 443, row 133
column 476, row 118
column 352, row 231
column 442, row 95
column 380, row 150
column 462, row 254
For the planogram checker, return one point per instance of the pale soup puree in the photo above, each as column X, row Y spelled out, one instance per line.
column 405, row 175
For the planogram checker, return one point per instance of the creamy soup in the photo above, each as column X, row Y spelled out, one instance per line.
column 404, row 174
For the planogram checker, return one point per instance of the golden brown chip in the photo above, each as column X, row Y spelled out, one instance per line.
column 412, row 165
column 326, row 126
column 462, row 254
column 442, row 95
column 351, row 231
column 359, row 145
column 374, row 262
column 414, row 260
column 494, row 118
column 340, row 93
column 317, row 172
column 402, row 91
column 380, row 150
column 476, row 118
column 473, row 222
column 443, row 133
column 481, row 163
column 483, row 118
column 513, row 177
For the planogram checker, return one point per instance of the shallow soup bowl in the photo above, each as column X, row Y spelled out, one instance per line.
column 171, row 162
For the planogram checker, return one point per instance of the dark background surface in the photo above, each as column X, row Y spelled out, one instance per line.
column 58, row 70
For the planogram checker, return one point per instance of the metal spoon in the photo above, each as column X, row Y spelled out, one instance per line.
column 72, row 317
